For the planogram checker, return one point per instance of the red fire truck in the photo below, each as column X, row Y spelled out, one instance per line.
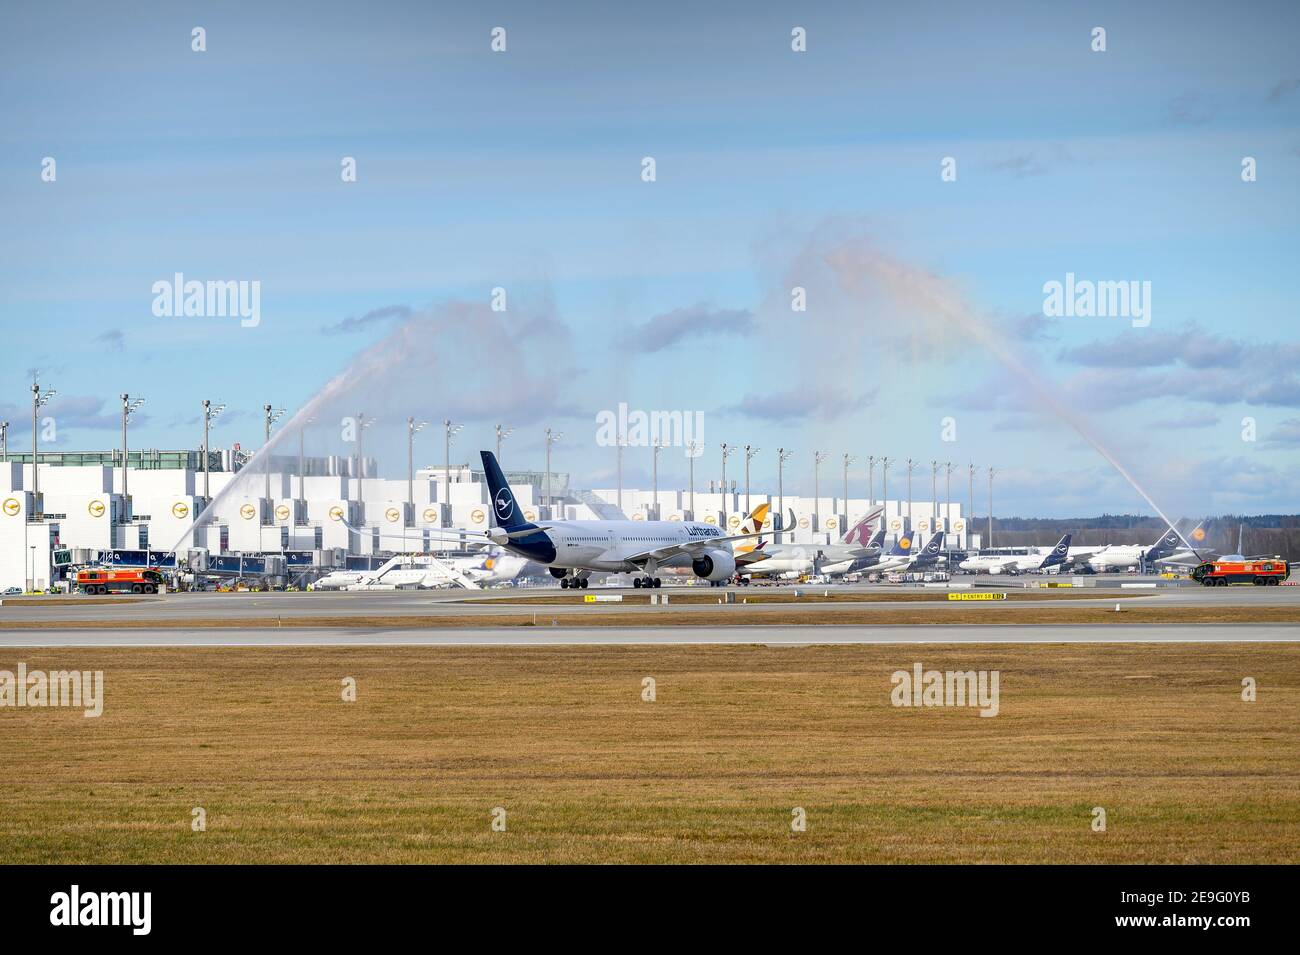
column 101, row 580
column 1260, row 571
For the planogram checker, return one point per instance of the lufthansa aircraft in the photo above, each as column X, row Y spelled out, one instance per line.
column 573, row 550
column 905, row 556
column 1124, row 556
column 1018, row 563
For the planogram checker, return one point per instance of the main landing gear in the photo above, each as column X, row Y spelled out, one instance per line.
column 647, row 582
column 577, row 583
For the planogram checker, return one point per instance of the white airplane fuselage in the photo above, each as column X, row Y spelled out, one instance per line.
column 1002, row 564
column 606, row 545
column 804, row 559
column 1116, row 558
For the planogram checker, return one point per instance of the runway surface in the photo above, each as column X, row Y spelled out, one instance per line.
column 234, row 606
column 655, row 636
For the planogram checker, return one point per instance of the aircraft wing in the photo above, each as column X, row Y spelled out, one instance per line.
column 689, row 548
column 453, row 533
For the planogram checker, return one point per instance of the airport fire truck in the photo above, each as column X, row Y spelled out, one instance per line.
column 1260, row 572
column 103, row 580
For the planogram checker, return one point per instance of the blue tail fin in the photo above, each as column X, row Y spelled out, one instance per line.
column 507, row 512
column 1166, row 545
column 1058, row 554
column 930, row 552
column 902, row 547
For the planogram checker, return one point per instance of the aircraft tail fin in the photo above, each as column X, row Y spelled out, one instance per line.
column 752, row 524
column 1169, row 542
column 861, row 532
column 1058, row 554
column 902, row 547
column 505, row 511
column 931, row 549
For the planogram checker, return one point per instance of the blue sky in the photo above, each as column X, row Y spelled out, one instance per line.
column 522, row 170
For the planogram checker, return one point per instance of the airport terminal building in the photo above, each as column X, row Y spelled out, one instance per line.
column 83, row 508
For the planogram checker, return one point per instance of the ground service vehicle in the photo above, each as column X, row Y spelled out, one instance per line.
column 101, row 580
column 1262, row 572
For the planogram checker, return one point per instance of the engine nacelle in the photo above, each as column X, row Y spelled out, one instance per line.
column 714, row 565
column 559, row 573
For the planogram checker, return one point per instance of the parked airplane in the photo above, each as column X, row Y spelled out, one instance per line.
column 573, row 550
column 1188, row 556
column 1018, row 563
column 863, row 539
column 420, row 571
column 905, row 556
column 1124, row 556
column 1180, row 559
column 1241, row 542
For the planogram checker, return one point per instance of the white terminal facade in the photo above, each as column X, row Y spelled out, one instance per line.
column 80, row 512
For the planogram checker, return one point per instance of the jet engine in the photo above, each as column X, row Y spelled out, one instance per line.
column 714, row 565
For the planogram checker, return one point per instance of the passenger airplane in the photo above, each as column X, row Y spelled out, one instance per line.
column 903, row 556
column 821, row 558
column 1191, row 558
column 1124, row 556
column 1018, row 563
column 573, row 550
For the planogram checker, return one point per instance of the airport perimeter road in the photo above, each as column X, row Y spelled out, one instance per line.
column 652, row 636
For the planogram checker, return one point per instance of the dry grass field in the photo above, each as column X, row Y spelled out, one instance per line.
column 709, row 772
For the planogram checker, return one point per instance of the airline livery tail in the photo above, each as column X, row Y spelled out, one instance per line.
column 1168, row 542
column 751, row 525
column 861, row 532
column 930, row 552
column 902, row 547
column 1058, row 554
column 508, row 514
